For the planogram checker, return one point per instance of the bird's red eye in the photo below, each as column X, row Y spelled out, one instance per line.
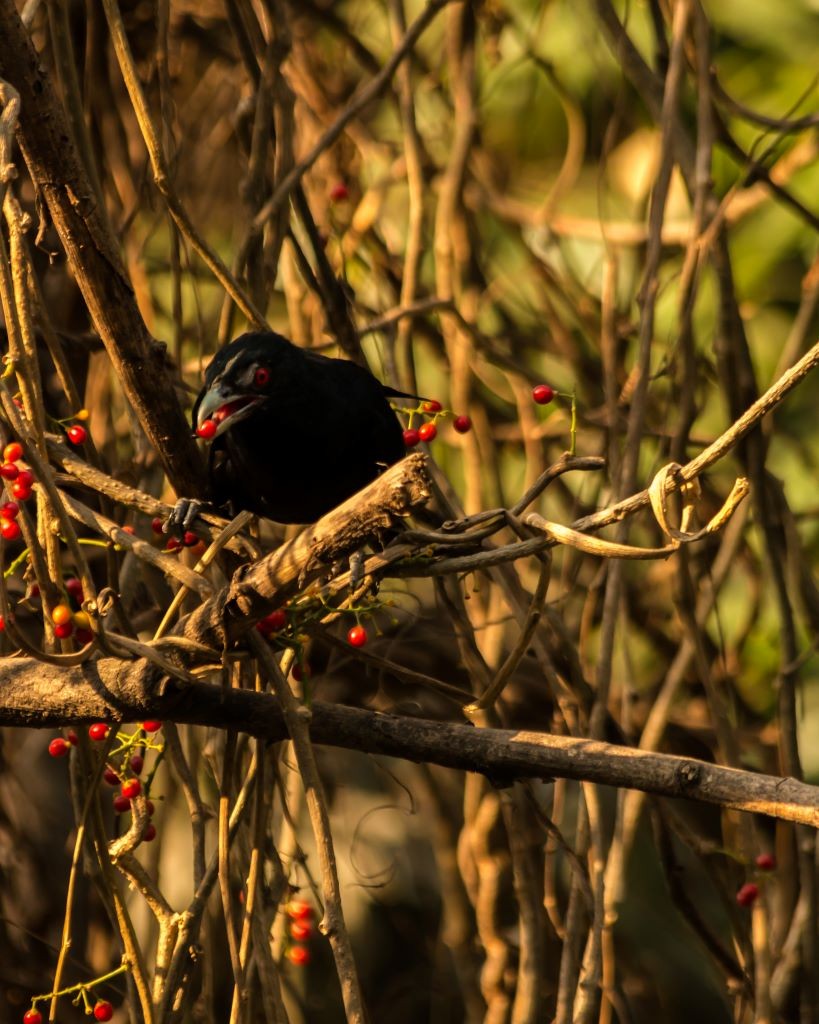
column 261, row 378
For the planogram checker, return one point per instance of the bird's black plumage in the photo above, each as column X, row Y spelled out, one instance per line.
column 297, row 432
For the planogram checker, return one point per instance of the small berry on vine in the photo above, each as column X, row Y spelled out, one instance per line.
column 339, row 192
column 190, row 539
column 411, row 437
column 273, row 622
column 32, row 1016
column 10, row 510
column 111, row 777
column 299, row 910
column 137, row 763
column 13, row 451
column 748, row 894
column 77, row 434
column 82, row 620
column 300, row 930
column 131, row 788
column 63, row 630
column 74, row 589
column 25, row 478
column 433, row 405
column 152, row 725
column 81, row 414
column 83, row 636
column 356, row 636
column 206, row 429
column 9, row 529
column 156, row 524
column 462, row 424
column 542, row 394
column 22, row 492
column 174, row 543
column 58, row 747
column 103, row 1010
column 121, row 803
column 428, row 432
column 149, row 834
column 72, row 737
column 98, row 731
column 2, row 623
column 9, row 471
column 298, row 955
column 766, row 862
column 60, row 613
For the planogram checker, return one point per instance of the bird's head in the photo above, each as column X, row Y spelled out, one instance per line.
column 238, row 379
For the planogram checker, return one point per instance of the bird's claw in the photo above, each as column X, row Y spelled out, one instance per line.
column 184, row 513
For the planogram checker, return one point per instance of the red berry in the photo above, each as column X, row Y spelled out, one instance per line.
column 339, row 192
column 83, row 636
column 77, row 435
column 766, row 862
column 411, row 437
column 174, row 543
column 32, row 1016
column 13, row 451
column 298, row 955
column 72, row 737
column 74, row 588
column 22, row 492
column 10, row 510
column 273, row 622
column 542, row 394
column 2, row 624
column 58, row 747
column 63, row 630
column 9, row 529
column 9, row 471
column 131, row 788
column 433, row 405
column 149, row 807
column 111, row 777
column 357, row 636
column 206, row 429
column 299, row 910
column 190, row 539
column 25, row 478
column 748, row 894
column 428, row 432
column 152, row 725
column 301, row 671
column 103, row 1010
column 137, row 763
column 98, row 731
column 121, row 803
column 300, row 930
column 129, row 529
column 462, row 424
column 156, row 524
column 149, row 834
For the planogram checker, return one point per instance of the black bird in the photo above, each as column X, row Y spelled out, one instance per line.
column 296, row 433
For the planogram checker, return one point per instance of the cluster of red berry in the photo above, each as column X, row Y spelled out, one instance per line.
column 429, row 431
column 20, row 481
column 102, row 1010
column 748, row 894
column 301, row 929
column 132, row 765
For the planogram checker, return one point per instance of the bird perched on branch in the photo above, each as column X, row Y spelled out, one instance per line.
column 292, row 433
